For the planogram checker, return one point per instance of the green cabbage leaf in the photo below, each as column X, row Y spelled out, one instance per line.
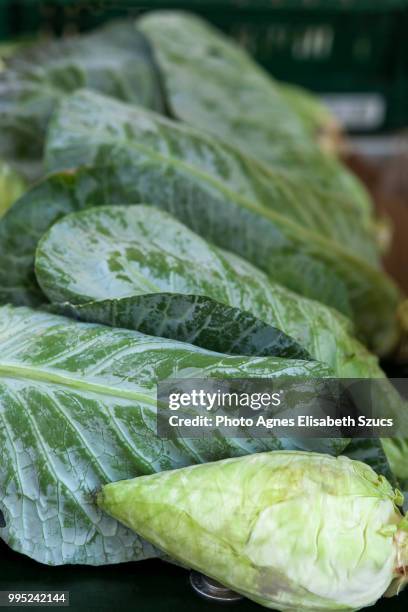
column 138, row 267
column 228, row 199
column 114, row 59
column 213, row 84
column 78, row 410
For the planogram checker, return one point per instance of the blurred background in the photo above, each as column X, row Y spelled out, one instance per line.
column 354, row 53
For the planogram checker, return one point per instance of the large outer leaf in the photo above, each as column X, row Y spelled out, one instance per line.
column 163, row 272
column 216, row 192
column 77, row 410
column 316, row 116
column 114, row 59
column 213, row 84
column 99, row 123
column 149, row 272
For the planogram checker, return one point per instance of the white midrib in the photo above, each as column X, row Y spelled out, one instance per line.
column 22, row 372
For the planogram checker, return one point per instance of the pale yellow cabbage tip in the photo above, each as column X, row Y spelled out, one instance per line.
column 290, row 530
column 12, row 186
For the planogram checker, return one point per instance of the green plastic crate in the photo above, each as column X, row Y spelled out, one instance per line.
column 342, row 47
column 5, row 20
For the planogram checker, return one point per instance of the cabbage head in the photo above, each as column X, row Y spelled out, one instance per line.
column 289, row 530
